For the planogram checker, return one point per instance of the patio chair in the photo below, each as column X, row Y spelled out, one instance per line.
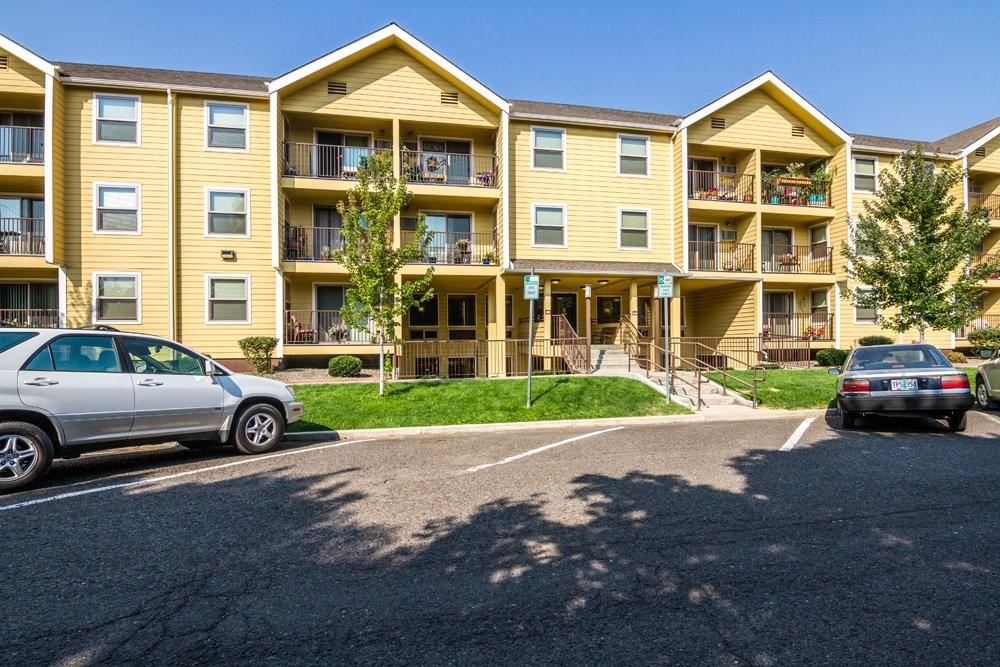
column 300, row 334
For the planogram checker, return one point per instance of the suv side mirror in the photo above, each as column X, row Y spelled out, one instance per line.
column 210, row 369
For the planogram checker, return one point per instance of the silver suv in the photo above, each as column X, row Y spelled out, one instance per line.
column 66, row 391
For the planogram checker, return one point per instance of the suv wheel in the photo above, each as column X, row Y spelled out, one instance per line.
column 983, row 397
column 259, row 429
column 25, row 454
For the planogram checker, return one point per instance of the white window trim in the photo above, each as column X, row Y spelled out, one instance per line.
column 649, row 155
column 246, row 129
column 138, row 208
column 138, row 120
column 95, row 291
column 209, row 277
column 854, row 188
column 209, row 189
column 565, row 211
column 853, row 233
column 864, row 323
column 649, row 227
column 565, row 153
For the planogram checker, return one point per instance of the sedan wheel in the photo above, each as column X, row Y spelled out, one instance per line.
column 25, row 454
column 848, row 419
column 259, row 429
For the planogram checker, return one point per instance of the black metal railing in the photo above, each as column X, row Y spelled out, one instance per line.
column 322, row 327
column 797, row 259
column 22, row 144
column 989, row 203
column 438, row 168
column 788, row 191
column 720, row 186
column 312, row 244
column 457, row 248
column 425, row 359
column 326, row 161
column 29, row 317
column 721, row 256
column 806, row 326
column 22, row 236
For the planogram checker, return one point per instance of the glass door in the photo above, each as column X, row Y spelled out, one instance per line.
column 326, row 232
column 777, row 247
column 564, row 304
column 779, row 308
column 706, row 247
column 818, row 247
column 328, row 320
column 819, row 312
column 703, row 178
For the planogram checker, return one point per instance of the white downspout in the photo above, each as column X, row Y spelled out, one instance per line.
column 171, row 221
column 279, row 279
column 505, row 194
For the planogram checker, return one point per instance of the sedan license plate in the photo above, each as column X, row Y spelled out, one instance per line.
column 903, row 385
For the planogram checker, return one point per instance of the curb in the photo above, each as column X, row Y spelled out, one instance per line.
column 449, row 429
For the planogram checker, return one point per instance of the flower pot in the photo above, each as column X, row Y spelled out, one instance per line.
column 775, row 199
column 486, row 261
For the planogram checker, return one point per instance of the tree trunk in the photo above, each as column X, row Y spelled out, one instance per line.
column 921, row 331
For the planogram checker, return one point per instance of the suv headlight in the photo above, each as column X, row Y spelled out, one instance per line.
column 290, row 390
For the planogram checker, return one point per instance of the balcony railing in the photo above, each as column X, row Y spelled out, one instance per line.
column 22, row 144
column 805, row 326
column 29, row 317
column 22, row 236
column 457, row 248
column 990, row 204
column 721, row 256
column 720, row 186
column 797, row 259
column 980, row 322
column 322, row 327
column 791, row 191
column 449, row 168
column 326, row 161
column 312, row 244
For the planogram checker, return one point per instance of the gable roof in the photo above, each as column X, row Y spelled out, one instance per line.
column 968, row 140
column 28, row 56
column 886, row 143
column 165, row 77
column 388, row 34
column 529, row 109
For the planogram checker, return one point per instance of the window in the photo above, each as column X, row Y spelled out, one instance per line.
column 116, row 119
column 864, row 174
column 83, row 354
column 861, row 244
column 548, row 148
column 159, row 358
column 228, row 299
column 865, row 315
column 633, row 155
column 116, row 209
column 9, row 339
column 227, row 212
column 549, row 225
column 461, row 310
column 609, row 309
column 116, row 297
column 633, row 229
column 929, row 166
column 423, row 320
column 226, row 126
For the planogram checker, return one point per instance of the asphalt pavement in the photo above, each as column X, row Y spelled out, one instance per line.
column 757, row 542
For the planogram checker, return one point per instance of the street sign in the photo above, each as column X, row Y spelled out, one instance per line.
column 531, row 288
column 664, row 286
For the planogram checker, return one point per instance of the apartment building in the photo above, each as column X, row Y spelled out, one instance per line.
column 203, row 207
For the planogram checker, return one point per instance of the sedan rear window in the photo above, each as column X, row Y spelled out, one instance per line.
column 9, row 339
column 889, row 357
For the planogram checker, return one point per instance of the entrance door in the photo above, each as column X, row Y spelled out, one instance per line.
column 777, row 243
column 702, row 178
column 705, row 247
column 565, row 304
column 778, row 312
column 818, row 247
column 339, row 155
column 326, row 231
column 819, row 313
column 451, row 237
column 327, row 320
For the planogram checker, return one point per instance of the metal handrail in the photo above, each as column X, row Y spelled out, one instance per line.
column 759, row 373
column 572, row 346
column 632, row 340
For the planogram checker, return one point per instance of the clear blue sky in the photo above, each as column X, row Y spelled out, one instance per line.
column 916, row 69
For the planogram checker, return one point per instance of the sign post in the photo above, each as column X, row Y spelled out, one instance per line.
column 531, row 283
column 665, row 290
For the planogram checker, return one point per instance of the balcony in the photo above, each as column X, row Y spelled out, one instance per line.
column 721, row 256
column 327, row 161
column 989, row 203
column 720, row 186
column 981, row 322
column 795, row 191
column 434, row 168
column 312, row 244
column 797, row 259
column 979, row 258
column 457, row 248
column 42, row 318
column 22, row 236
column 322, row 327
column 21, row 145
column 801, row 326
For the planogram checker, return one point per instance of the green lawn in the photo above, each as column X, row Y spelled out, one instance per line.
column 349, row 406
column 792, row 390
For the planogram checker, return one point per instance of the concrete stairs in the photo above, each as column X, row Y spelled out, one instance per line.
column 608, row 360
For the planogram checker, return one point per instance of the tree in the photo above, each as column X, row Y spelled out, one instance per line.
column 912, row 248
column 375, row 298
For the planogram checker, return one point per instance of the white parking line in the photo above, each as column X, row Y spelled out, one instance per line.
column 186, row 473
column 797, row 434
column 515, row 457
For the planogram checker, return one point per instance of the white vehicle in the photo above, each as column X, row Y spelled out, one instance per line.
column 67, row 391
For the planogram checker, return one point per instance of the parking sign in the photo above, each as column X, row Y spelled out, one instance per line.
column 664, row 286
column 531, row 287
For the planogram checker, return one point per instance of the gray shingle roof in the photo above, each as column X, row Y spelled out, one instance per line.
column 953, row 143
column 595, row 268
column 529, row 108
column 887, row 142
column 166, row 77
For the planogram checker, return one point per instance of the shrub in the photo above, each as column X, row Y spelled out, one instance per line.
column 875, row 339
column 258, row 351
column 955, row 357
column 344, row 366
column 831, row 356
column 984, row 339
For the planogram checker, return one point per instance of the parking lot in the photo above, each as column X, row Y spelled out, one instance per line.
column 764, row 542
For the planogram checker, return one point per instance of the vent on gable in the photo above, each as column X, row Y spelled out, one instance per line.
column 981, row 151
column 449, row 98
column 336, row 88
column 718, row 123
column 4, row 64
column 798, row 131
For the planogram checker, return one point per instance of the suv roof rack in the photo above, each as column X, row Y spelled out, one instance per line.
column 99, row 327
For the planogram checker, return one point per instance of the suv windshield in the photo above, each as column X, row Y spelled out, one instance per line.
column 886, row 357
column 9, row 339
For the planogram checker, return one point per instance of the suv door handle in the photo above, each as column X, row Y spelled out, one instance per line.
column 41, row 382
column 150, row 383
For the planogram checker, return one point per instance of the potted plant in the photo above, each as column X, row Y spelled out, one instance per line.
column 788, row 260
column 489, row 258
column 769, row 186
column 338, row 332
column 325, row 253
column 819, row 183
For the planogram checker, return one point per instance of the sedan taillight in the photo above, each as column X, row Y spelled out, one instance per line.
column 856, row 386
column 955, row 381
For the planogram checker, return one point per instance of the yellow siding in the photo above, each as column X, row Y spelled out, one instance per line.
column 723, row 311
column 20, row 77
column 992, row 160
column 592, row 191
column 679, row 169
column 836, row 232
column 57, row 205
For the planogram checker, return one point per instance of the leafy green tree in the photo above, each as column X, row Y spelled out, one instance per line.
column 913, row 244
column 375, row 298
